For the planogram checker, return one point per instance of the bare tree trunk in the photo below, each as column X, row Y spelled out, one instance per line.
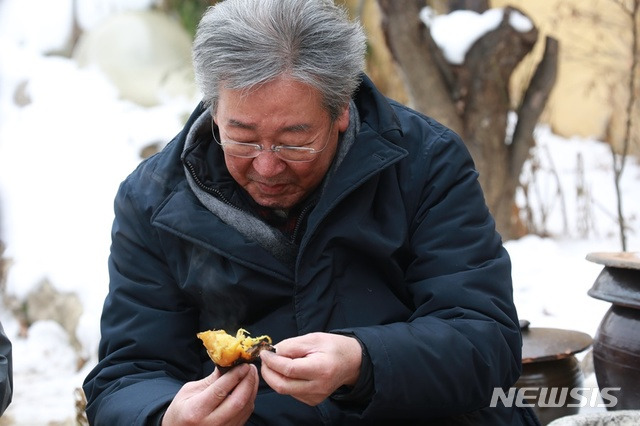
column 473, row 98
column 531, row 107
column 484, row 78
column 415, row 52
column 533, row 103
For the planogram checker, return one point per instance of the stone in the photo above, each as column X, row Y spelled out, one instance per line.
column 46, row 302
column 608, row 418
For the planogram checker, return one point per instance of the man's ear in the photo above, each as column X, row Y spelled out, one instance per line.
column 342, row 122
column 213, row 112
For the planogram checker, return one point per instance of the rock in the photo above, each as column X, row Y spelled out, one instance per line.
column 608, row 418
column 146, row 55
column 48, row 303
column 21, row 95
column 151, row 148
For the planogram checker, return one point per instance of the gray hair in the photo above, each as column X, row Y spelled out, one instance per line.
column 241, row 44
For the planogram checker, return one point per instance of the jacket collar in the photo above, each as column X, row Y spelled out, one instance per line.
column 372, row 151
column 375, row 110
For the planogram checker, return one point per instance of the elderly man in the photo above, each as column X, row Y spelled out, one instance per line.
column 300, row 203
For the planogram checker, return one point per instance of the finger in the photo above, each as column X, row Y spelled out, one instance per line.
column 219, row 388
column 238, row 404
column 195, row 388
column 302, row 390
column 201, row 398
column 300, row 368
column 211, row 378
column 246, row 390
column 298, row 347
column 280, row 380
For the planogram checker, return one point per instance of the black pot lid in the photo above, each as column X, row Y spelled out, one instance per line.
column 619, row 281
column 547, row 344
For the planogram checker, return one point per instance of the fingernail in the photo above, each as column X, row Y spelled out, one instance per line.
column 266, row 354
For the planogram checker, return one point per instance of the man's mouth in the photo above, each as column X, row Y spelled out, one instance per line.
column 271, row 188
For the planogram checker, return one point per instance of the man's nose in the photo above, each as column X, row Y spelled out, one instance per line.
column 268, row 164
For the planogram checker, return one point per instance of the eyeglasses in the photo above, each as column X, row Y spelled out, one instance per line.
column 299, row 154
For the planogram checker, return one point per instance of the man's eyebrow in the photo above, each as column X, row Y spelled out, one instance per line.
column 295, row 128
column 241, row 125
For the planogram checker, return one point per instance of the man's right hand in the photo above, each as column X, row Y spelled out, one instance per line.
column 216, row 400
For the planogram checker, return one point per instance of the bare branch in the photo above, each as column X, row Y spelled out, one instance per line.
column 533, row 103
column 620, row 161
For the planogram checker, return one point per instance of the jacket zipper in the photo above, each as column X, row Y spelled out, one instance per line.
column 209, row 189
column 222, row 198
column 301, row 216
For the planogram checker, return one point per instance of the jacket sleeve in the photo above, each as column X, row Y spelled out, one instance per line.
column 138, row 374
column 6, row 371
column 463, row 339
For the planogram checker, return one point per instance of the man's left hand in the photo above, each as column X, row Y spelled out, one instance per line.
column 313, row 366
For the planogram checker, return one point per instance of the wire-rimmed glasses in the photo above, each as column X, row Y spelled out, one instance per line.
column 300, row 154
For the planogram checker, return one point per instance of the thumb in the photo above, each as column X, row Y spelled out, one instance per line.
column 220, row 386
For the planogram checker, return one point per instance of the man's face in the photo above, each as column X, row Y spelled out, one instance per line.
column 281, row 112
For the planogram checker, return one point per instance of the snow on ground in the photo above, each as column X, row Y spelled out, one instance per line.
column 574, row 186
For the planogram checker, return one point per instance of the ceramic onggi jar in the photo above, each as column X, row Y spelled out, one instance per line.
column 616, row 347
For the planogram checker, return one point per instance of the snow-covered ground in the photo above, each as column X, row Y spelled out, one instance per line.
column 67, row 145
